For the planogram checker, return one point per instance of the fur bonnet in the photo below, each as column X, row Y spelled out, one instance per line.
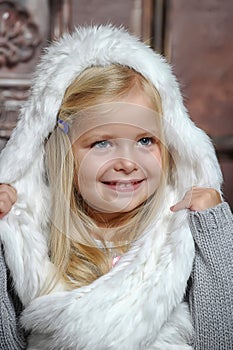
column 64, row 60
column 138, row 302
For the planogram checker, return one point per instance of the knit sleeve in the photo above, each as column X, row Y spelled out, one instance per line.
column 11, row 334
column 211, row 291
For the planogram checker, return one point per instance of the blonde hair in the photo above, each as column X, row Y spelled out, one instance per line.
column 76, row 255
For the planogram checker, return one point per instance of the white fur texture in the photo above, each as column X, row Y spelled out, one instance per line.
column 138, row 305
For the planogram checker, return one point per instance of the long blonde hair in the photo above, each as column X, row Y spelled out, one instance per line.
column 74, row 252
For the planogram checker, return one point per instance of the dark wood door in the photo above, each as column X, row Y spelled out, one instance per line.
column 199, row 44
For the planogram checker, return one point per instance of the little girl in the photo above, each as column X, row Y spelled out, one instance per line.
column 105, row 160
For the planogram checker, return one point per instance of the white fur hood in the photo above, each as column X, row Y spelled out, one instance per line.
column 137, row 305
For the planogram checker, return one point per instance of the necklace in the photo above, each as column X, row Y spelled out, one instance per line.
column 112, row 249
column 115, row 260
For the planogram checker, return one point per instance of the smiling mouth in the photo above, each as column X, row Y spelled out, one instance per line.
column 123, row 186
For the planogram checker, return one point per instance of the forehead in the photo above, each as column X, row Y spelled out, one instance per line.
column 120, row 114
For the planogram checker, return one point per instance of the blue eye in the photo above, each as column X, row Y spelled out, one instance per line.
column 145, row 141
column 101, row 144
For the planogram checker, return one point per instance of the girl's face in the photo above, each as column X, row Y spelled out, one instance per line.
column 118, row 157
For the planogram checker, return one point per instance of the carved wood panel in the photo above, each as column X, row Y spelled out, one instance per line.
column 25, row 28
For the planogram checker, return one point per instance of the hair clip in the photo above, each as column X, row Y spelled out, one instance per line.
column 63, row 126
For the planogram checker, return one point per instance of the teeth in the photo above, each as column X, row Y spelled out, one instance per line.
column 124, row 185
column 121, row 184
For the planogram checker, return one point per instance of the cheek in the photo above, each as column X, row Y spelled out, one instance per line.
column 86, row 172
column 157, row 161
column 157, row 154
column 89, row 170
column 152, row 165
column 151, row 161
column 92, row 165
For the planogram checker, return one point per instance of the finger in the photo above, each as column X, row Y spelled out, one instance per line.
column 5, row 198
column 8, row 192
column 5, row 206
column 198, row 198
column 2, row 215
column 184, row 203
column 179, row 206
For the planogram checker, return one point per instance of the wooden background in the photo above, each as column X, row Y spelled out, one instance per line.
column 194, row 35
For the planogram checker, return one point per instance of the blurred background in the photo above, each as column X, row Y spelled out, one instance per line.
column 194, row 35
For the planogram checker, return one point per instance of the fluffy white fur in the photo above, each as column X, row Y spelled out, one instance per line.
column 138, row 304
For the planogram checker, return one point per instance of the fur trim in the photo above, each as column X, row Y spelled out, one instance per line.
column 87, row 47
column 138, row 303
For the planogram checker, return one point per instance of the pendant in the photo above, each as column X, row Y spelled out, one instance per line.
column 115, row 260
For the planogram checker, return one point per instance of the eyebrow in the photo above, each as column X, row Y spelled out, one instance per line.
column 151, row 133
column 95, row 136
column 86, row 140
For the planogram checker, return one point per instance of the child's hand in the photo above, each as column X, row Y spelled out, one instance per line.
column 198, row 198
column 8, row 197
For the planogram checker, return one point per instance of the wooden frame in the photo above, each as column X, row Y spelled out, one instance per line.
column 14, row 82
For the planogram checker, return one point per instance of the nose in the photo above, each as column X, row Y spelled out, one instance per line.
column 125, row 165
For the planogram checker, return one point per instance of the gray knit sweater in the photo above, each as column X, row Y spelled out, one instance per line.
column 210, row 292
column 11, row 335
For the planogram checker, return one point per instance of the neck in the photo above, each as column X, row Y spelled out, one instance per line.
column 110, row 220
